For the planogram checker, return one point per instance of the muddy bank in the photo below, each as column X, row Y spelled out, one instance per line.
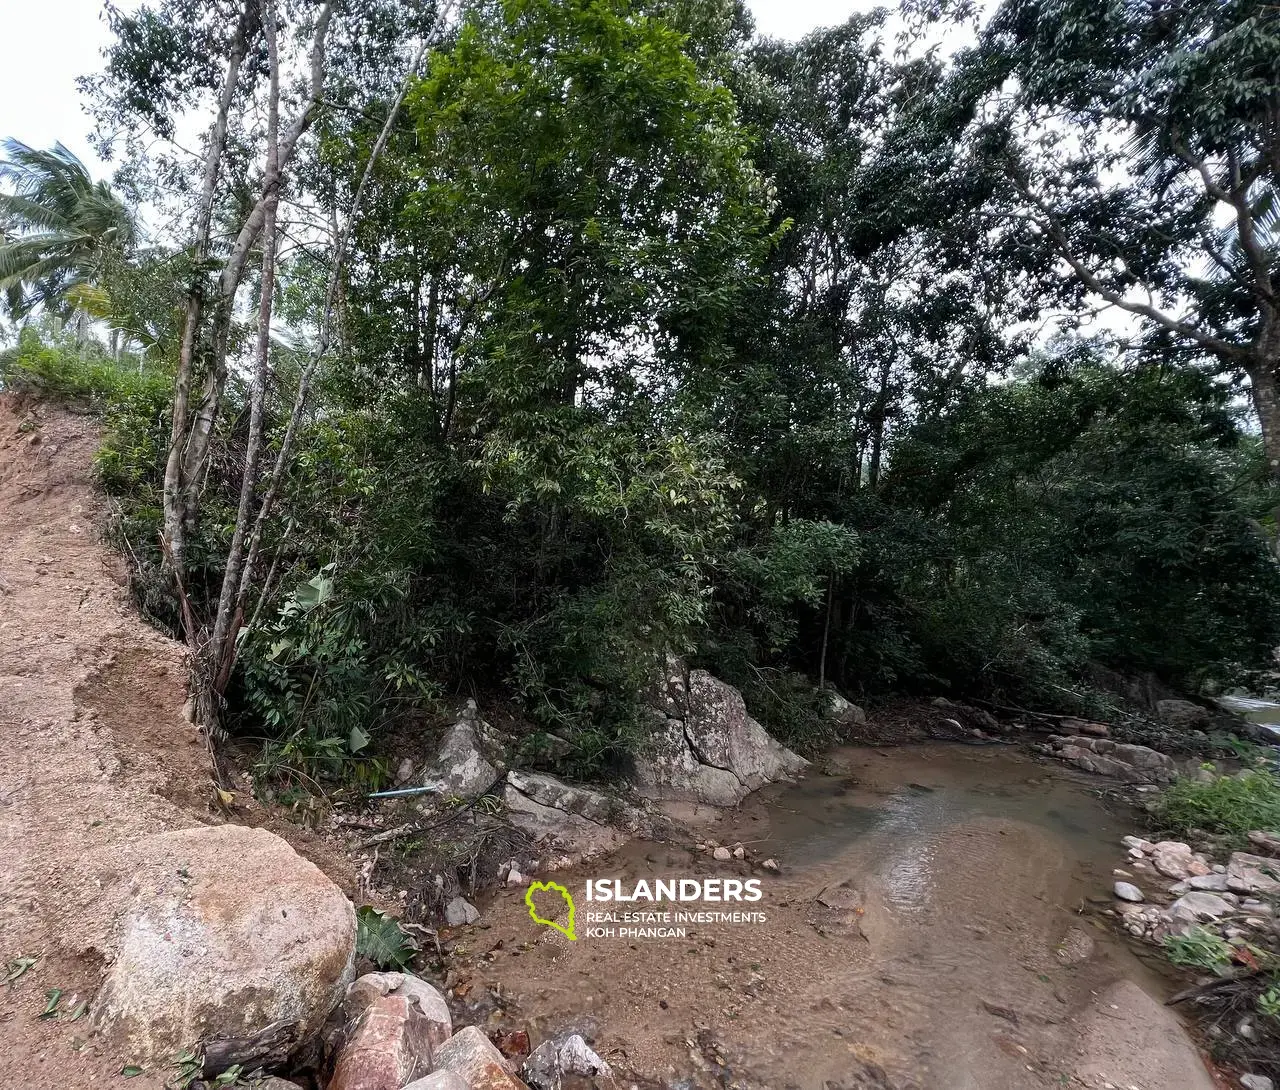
column 930, row 927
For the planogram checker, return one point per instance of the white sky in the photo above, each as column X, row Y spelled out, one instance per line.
column 46, row 44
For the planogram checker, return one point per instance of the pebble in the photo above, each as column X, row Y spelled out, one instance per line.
column 1256, row 1082
column 722, row 854
column 1127, row 891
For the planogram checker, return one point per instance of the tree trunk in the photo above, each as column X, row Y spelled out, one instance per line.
column 189, row 442
column 175, row 517
column 230, row 603
column 332, row 294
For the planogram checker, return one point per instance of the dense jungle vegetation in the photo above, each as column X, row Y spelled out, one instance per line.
column 509, row 347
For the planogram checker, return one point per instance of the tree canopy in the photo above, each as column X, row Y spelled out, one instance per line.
column 513, row 346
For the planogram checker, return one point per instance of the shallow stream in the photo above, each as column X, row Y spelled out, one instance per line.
column 934, row 924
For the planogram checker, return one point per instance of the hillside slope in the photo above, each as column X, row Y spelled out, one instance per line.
column 94, row 749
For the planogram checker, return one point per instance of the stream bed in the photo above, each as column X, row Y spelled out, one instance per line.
column 934, row 924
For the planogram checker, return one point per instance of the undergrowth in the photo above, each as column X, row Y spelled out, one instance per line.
column 1231, row 806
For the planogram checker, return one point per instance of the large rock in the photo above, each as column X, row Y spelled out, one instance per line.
column 460, row 911
column 461, row 768
column 842, row 712
column 568, row 818
column 1197, row 906
column 236, row 945
column 1182, row 714
column 1267, row 843
column 430, row 1003
column 1102, row 756
column 392, row 1025
column 706, row 748
column 470, row 1055
column 1253, row 874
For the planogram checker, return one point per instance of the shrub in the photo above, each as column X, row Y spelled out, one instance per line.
column 1230, row 805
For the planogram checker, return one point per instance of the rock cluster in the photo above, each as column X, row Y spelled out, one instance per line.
column 1226, row 897
column 393, row 1032
column 1131, row 763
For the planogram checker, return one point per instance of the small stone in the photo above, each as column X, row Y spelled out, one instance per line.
column 1213, row 882
column 577, row 1058
column 460, row 911
column 1256, row 1082
column 1127, row 891
column 404, row 771
column 515, row 878
column 771, row 865
column 470, row 1055
column 739, row 852
column 722, row 855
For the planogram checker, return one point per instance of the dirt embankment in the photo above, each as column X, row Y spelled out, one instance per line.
column 94, row 749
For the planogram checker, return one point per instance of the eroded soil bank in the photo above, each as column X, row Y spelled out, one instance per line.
column 930, row 927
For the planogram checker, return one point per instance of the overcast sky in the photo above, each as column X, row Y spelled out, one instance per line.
column 46, row 44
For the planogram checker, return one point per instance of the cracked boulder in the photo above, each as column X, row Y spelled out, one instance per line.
column 706, row 748
column 469, row 761
column 572, row 819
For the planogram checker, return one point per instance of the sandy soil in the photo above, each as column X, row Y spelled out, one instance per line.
column 94, row 749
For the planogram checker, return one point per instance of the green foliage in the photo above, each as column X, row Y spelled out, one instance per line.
column 380, row 939
column 55, row 366
column 1230, row 805
column 58, row 230
column 1086, row 512
column 653, row 341
column 1199, row 948
column 315, row 681
column 1269, row 1002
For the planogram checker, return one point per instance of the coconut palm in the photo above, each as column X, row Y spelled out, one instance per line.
column 58, row 230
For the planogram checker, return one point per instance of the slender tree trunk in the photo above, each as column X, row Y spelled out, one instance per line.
column 227, row 621
column 175, row 519
column 189, row 449
column 285, row 454
column 878, row 413
column 826, row 632
column 1264, row 377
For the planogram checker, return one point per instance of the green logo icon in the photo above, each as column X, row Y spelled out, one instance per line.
column 551, row 887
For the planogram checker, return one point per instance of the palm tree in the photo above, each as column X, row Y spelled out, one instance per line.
column 58, row 231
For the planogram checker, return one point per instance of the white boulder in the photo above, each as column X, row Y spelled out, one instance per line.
column 239, row 946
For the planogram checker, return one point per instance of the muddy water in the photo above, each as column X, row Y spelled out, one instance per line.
column 931, row 921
